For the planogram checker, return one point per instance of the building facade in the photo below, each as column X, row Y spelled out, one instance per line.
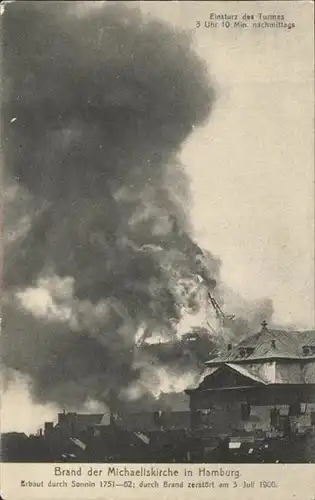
column 265, row 385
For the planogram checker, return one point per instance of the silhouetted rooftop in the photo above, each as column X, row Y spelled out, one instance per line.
column 270, row 344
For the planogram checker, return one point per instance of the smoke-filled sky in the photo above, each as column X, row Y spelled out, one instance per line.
column 107, row 112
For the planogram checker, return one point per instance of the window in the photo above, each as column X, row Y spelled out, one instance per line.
column 308, row 350
column 159, row 418
column 245, row 411
column 196, row 418
column 295, row 409
column 275, row 419
column 246, row 351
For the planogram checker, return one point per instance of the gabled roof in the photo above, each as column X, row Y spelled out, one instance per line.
column 247, row 373
column 268, row 344
column 247, row 377
column 235, row 367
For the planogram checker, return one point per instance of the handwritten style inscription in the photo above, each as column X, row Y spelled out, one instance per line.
column 247, row 20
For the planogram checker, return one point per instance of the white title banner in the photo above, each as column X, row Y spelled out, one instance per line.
column 135, row 481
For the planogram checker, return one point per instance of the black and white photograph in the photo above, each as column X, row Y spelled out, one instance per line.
column 158, row 233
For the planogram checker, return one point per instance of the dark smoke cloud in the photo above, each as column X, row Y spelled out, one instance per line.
column 96, row 107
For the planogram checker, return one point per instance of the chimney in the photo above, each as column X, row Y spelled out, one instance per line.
column 62, row 417
column 264, row 325
column 111, row 405
column 229, row 347
column 273, row 343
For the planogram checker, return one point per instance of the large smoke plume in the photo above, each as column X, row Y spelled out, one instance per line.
column 98, row 245
column 96, row 108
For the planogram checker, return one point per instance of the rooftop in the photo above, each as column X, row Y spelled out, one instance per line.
column 269, row 344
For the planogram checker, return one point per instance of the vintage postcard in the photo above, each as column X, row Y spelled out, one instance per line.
column 158, row 336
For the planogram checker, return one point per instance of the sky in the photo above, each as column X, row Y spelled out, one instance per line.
column 250, row 166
